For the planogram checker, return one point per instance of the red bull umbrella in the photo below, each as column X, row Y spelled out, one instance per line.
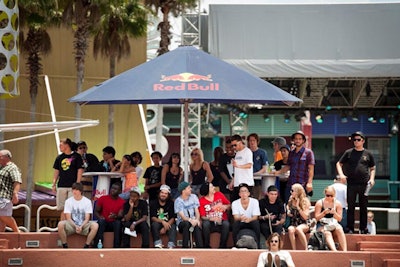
column 185, row 74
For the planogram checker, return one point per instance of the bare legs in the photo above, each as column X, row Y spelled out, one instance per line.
column 300, row 231
column 8, row 221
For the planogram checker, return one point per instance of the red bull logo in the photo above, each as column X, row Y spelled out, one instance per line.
column 187, row 81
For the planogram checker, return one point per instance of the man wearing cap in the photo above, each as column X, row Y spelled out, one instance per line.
column 109, row 211
column 10, row 182
column 277, row 143
column 358, row 166
column 162, row 216
column 188, row 216
column 135, row 218
column 68, row 169
column 214, row 216
column 90, row 164
column 300, row 164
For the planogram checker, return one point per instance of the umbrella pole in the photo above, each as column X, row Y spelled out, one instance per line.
column 186, row 141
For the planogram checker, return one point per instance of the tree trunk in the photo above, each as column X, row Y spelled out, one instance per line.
column 111, row 107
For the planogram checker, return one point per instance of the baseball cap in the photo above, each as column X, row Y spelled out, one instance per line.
column 135, row 189
column 182, row 186
column 358, row 133
column 165, row 187
column 279, row 140
column 285, row 146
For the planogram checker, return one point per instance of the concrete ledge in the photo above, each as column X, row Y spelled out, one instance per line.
column 168, row 257
column 391, row 263
column 378, row 245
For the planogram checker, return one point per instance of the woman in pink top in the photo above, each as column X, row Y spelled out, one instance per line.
column 130, row 179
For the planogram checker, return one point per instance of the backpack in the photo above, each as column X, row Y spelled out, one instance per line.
column 317, row 241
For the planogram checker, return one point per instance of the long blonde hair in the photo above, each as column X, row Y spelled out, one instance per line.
column 198, row 151
column 304, row 203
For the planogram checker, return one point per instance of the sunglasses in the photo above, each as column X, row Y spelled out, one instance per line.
column 234, row 145
column 274, row 241
column 291, row 190
column 82, row 147
column 357, row 139
column 327, row 195
column 194, row 154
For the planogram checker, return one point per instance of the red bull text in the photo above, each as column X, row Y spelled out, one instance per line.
column 187, row 82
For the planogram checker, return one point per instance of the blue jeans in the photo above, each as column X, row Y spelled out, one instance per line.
column 211, row 227
column 155, row 231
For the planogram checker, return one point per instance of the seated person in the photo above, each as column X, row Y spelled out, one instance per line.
column 188, row 216
column 371, row 224
column 245, row 211
column 78, row 210
column 298, row 210
column 213, row 212
column 135, row 218
column 162, row 216
column 272, row 211
column 275, row 256
column 109, row 211
column 328, row 212
column 129, row 179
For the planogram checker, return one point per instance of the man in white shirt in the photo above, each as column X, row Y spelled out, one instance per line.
column 243, row 166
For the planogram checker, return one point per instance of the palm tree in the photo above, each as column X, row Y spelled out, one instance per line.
column 174, row 7
column 120, row 19
column 35, row 16
column 82, row 16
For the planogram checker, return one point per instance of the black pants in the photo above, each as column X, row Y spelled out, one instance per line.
column 184, row 228
column 352, row 192
column 210, row 227
column 265, row 230
column 105, row 226
column 140, row 228
column 254, row 225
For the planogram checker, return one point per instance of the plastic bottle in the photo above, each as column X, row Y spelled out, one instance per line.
column 366, row 193
column 99, row 245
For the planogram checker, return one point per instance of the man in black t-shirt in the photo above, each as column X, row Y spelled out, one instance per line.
column 358, row 166
column 153, row 176
column 272, row 211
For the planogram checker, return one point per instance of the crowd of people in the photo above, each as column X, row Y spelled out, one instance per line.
column 221, row 196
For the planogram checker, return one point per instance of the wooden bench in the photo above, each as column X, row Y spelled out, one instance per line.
column 391, row 262
column 378, row 245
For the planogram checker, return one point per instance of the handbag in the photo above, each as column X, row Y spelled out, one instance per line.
column 329, row 224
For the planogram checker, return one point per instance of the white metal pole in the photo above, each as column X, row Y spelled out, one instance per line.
column 53, row 115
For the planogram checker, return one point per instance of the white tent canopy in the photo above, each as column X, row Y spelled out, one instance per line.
column 308, row 40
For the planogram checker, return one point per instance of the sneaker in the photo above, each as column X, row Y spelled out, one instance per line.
column 65, row 245
column 86, row 246
column 277, row 261
column 158, row 246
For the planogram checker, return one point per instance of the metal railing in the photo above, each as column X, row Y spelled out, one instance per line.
column 24, row 228
column 45, row 228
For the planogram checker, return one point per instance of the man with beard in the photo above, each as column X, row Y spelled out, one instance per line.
column 162, row 217
column 300, row 164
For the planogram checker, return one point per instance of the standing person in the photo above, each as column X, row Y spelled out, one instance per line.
column 341, row 195
column 215, row 167
column 200, row 170
column 300, row 164
column 298, row 210
column 273, row 213
column 172, row 174
column 137, row 158
column 371, row 224
column 78, row 210
column 188, row 216
column 245, row 211
column 162, row 216
column 10, row 183
column 109, row 161
column 127, row 167
column 358, row 166
column 242, row 167
column 275, row 257
column 277, row 143
column 90, row 164
column 260, row 162
column 328, row 212
column 135, row 218
column 109, row 211
column 280, row 183
column 226, row 168
column 68, row 169
column 152, row 175
column 214, row 216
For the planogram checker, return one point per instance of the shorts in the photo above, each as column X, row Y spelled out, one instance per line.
column 71, row 229
column 63, row 193
column 6, row 207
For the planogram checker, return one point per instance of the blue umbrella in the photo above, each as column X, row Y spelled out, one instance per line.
column 182, row 76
